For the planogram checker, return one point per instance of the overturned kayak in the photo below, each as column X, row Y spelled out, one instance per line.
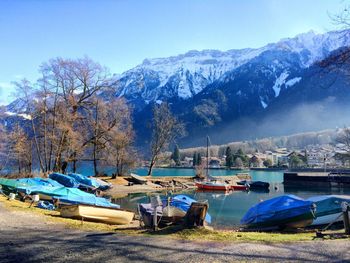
column 328, row 208
column 280, row 212
column 100, row 214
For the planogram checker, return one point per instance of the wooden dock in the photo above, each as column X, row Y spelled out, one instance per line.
column 305, row 179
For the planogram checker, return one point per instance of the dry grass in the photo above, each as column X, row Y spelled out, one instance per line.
column 195, row 234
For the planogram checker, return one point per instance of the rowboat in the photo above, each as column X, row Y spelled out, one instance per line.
column 328, row 208
column 138, row 179
column 107, row 215
column 280, row 212
column 213, row 185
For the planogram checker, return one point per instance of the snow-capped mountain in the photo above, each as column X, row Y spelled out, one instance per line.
column 184, row 76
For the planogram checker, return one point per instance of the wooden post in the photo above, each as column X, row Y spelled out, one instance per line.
column 345, row 209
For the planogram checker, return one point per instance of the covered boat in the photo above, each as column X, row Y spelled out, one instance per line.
column 65, row 180
column 328, row 208
column 13, row 185
column 173, row 210
column 91, row 182
column 255, row 184
column 107, row 215
column 280, row 212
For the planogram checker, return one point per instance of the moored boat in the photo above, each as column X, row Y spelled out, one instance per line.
column 255, row 184
column 96, row 213
column 213, row 186
column 238, row 187
column 280, row 212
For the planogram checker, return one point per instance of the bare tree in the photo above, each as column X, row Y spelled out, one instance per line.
column 344, row 140
column 20, row 149
column 4, row 156
column 165, row 129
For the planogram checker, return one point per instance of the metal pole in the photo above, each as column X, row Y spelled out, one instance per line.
column 207, row 156
column 345, row 209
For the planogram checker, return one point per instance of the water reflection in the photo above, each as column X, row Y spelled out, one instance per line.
column 228, row 208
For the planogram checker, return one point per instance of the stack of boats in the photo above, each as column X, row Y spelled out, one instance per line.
column 290, row 211
column 72, row 202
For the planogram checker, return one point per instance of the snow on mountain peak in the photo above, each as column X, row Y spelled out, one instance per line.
column 188, row 74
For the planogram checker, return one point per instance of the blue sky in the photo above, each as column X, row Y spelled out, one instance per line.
column 121, row 33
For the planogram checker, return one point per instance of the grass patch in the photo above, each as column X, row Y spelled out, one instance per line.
column 177, row 232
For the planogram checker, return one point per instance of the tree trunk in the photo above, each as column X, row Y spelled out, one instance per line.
column 153, row 162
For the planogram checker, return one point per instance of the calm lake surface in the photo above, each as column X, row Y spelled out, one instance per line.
column 227, row 209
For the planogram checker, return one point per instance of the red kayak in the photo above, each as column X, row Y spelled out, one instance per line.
column 214, row 186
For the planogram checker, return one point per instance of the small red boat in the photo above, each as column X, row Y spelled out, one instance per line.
column 239, row 187
column 213, row 185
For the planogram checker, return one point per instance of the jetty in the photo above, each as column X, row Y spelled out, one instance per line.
column 299, row 179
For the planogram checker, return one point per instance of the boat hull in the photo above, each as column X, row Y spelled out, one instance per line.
column 99, row 214
column 299, row 221
column 213, row 187
column 239, row 187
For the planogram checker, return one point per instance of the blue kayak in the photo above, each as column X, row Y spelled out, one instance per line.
column 65, row 180
column 279, row 212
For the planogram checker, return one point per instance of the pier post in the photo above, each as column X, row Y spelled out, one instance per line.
column 345, row 209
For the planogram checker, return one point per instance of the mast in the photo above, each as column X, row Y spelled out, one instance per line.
column 207, row 157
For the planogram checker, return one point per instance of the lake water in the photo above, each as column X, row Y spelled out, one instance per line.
column 227, row 209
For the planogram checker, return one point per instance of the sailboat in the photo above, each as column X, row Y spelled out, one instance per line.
column 210, row 183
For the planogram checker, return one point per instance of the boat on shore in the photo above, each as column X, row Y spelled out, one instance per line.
column 328, row 208
column 138, row 179
column 172, row 210
column 107, row 215
column 286, row 211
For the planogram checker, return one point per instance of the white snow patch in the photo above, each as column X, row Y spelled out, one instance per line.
column 10, row 113
column 292, row 81
column 279, row 82
column 23, row 115
column 263, row 103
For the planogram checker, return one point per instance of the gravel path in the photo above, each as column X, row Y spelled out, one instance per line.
column 29, row 238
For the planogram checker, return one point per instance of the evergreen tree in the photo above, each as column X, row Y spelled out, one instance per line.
column 199, row 159
column 229, row 157
column 195, row 161
column 267, row 163
column 176, row 156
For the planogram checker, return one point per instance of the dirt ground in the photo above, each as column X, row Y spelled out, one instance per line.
column 28, row 237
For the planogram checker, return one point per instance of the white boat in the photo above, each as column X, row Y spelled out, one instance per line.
column 95, row 213
column 328, row 208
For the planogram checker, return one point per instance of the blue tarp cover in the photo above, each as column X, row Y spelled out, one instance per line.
column 276, row 209
column 184, row 202
column 84, row 180
column 64, row 180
